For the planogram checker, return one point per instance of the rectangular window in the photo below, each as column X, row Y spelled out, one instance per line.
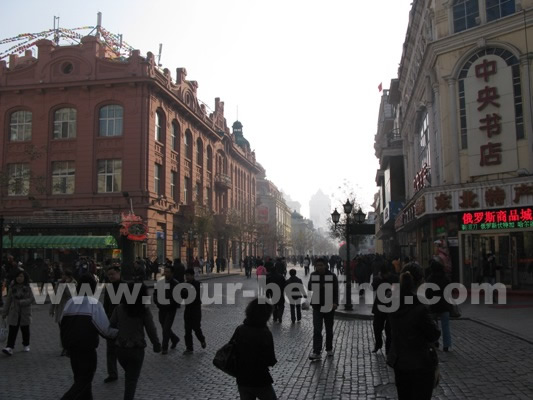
column 186, row 191
column 20, row 126
column 109, row 176
column 173, row 185
column 63, row 177
column 111, row 120
column 198, row 193
column 499, row 8
column 65, row 123
column 158, row 175
column 465, row 13
column 19, row 179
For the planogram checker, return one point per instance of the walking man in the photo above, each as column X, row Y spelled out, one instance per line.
column 83, row 320
column 275, row 278
column 193, row 313
column 114, row 279
column 167, row 306
column 325, row 300
column 295, row 292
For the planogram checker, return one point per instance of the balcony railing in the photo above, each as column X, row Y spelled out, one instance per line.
column 223, row 181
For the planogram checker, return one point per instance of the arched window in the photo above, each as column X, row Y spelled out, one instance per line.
column 209, row 154
column 20, row 126
column 111, row 120
column 199, row 152
column 175, row 136
column 188, row 144
column 160, row 126
column 65, row 123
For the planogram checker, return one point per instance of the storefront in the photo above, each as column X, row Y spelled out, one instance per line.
column 505, row 234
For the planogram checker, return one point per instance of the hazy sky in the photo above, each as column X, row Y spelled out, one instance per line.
column 303, row 73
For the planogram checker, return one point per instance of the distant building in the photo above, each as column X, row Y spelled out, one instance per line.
column 320, row 209
column 292, row 204
column 273, row 220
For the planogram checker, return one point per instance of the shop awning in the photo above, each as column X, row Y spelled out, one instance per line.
column 60, row 242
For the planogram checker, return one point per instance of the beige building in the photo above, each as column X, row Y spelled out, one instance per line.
column 461, row 109
column 273, row 220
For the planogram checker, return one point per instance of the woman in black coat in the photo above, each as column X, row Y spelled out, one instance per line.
column 441, row 309
column 255, row 353
column 412, row 354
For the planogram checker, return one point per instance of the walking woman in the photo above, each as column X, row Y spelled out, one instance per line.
column 412, row 354
column 17, row 309
column 132, row 319
column 255, row 353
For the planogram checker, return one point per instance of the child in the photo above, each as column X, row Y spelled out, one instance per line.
column 18, row 311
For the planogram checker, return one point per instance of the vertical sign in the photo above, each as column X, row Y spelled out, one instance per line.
column 490, row 117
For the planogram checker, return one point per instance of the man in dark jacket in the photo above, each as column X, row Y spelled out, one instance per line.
column 83, row 320
column 380, row 322
column 114, row 281
column 192, row 316
column 167, row 305
column 179, row 270
column 325, row 300
column 295, row 292
column 275, row 278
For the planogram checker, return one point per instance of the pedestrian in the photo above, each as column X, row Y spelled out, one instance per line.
column 275, row 278
column 56, row 308
column 218, row 263
column 380, row 321
column 255, row 353
column 167, row 305
column 325, row 300
column 307, row 264
column 440, row 310
column 260, row 270
column 83, row 320
column 295, row 292
column 132, row 319
column 413, row 331
column 17, row 310
column 179, row 270
column 111, row 301
column 192, row 317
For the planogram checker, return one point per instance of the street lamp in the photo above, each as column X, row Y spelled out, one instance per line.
column 10, row 229
column 359, row 218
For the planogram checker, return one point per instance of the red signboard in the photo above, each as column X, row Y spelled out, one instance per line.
column 133, row 227
column 511, row 218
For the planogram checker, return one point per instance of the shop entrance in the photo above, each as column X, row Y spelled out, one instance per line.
column 477, row 249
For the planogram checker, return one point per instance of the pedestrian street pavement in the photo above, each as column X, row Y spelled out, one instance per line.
column 485, row 363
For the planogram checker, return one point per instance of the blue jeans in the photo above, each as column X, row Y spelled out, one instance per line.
column 445, row 328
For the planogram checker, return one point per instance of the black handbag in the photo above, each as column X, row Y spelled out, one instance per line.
column 226, row 358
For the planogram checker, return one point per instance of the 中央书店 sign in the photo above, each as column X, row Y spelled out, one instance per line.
column 509, row 218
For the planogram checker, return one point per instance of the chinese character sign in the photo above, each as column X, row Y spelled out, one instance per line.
column 497, row 219
column 490, row 117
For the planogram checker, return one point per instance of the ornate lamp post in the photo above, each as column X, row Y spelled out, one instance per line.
column 10, row 229
column 359, row 218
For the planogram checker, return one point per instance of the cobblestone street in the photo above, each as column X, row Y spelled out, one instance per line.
column 484, row 363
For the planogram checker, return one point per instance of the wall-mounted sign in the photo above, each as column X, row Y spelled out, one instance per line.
column 511, row 218
column 132, row 226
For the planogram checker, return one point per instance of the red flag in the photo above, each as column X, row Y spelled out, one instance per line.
column 380, row 87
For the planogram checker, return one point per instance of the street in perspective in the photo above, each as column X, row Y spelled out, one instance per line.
column 232, row 199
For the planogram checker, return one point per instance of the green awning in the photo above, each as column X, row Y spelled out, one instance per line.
column 60, row 242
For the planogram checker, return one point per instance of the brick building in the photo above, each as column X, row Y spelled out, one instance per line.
column 90, row 137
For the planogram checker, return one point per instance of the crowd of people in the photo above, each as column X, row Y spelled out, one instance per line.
column 411, row 332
